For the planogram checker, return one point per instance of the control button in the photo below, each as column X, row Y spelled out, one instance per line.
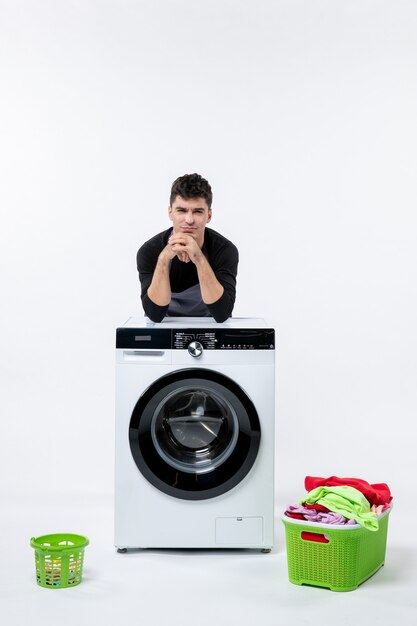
column 195, row 348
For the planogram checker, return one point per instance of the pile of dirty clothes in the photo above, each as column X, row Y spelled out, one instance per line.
column 344, row 501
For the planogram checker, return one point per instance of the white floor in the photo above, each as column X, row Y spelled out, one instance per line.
column 187, row 588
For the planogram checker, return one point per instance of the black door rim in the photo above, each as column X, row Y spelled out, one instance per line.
column 170, row 477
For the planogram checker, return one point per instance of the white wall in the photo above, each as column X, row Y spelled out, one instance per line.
column 302, row 115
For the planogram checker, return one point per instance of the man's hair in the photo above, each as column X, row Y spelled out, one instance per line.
column 191, row 186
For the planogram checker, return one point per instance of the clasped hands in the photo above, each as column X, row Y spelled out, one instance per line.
column 184, row 247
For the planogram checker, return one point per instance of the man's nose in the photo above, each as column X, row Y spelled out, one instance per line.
column 189, row 218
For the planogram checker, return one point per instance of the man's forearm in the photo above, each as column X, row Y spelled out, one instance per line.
column 159, row 291
column 211, row 289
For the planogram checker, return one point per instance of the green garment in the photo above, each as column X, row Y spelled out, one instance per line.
column 347, row 501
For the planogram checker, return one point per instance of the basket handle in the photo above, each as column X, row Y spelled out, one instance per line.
column 317, row 537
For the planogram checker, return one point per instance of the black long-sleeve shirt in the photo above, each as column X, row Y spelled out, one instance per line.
column 223, row 257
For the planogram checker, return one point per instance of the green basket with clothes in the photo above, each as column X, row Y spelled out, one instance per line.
column 339, row 558
column 59, row 559
column 336, row 536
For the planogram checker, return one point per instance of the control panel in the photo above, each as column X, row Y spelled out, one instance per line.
column 180, row 339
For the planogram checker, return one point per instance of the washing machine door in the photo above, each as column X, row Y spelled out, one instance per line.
column 194, row 434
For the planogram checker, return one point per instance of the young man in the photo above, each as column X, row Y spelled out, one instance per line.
column 188, row 270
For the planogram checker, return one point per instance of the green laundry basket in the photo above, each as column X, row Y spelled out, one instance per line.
column 59, row 559
column 337, row 557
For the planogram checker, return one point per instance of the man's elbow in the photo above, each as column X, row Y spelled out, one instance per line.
column 221, row 318
column 222, row 309
column 153, row 311
column 155, row 317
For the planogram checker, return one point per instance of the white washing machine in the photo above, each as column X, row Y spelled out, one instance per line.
column 194, row 434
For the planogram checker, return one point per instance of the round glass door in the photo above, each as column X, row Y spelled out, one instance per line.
column 194, row 434
column 195, row 429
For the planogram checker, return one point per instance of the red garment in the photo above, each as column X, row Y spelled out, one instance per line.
column 295, row 516
column 378, row 493
column 317, row 507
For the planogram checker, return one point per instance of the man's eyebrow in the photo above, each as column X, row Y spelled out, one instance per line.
column 196, row 208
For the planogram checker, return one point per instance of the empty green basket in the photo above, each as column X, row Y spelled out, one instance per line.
column 339, row 558
column 59, row 559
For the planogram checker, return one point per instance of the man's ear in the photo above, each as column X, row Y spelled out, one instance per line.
column 170, row 212
column 209, row 216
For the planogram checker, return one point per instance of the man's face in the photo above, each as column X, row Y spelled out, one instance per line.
column 190, row 217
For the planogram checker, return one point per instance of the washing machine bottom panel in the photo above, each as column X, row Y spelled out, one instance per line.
column 228, row 533
column 242, row 518
column 238, row 531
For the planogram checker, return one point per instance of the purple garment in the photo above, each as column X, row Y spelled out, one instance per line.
column 311, row 515
column 333, row 518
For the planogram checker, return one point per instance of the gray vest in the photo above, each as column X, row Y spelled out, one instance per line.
column 188, row 303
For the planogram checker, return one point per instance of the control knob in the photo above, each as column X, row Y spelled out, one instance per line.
column 195, row 348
